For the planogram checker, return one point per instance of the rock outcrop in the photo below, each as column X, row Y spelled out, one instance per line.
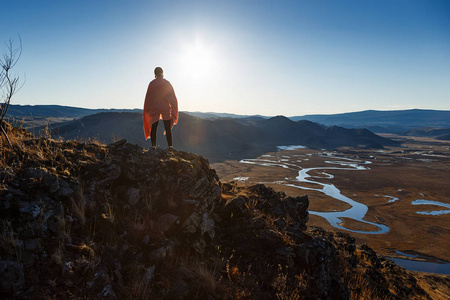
column 85, row 220
column 271, row 255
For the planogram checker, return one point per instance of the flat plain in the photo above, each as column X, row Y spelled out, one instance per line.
column 404, row 189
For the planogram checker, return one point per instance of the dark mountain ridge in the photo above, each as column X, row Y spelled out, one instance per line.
column 220, row 139
column 395, row 121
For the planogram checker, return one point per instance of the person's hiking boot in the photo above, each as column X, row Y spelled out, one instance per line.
column 171, row 148
column 154, row 147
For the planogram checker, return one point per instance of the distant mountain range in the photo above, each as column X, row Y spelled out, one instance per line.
column 229, row 136
column 213, row 115
column 395, row 121
column 57, row 111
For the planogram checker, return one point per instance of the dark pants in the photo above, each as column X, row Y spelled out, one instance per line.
column 168, row 132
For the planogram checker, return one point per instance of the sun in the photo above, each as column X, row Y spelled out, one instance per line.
column 198, row 60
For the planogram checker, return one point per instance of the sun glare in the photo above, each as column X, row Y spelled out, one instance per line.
column 197, row 60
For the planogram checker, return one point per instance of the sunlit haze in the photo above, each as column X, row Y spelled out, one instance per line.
column 244, row 57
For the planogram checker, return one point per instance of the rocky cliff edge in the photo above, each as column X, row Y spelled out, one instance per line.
column 85, row 220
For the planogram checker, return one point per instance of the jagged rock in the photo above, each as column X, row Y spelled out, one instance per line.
column 12, row 277
column 258, row 224
column 192, row 223
column 14, row 192
column 207, row 226
column 64, row 189
column 148, row 277
column 108, row 293
column 30, row 208
column 54, row 223
column 165, row 183
column 33, row 245
column 199, row 188
column 133, row 196
column 166, row 221
column 236, row 205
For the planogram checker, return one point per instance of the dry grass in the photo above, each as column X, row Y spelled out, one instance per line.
column 206, row 274
column 87, row 249
column 58, row 255
column 137, row 284
column 16, row 141
column 79, row 204
column 226, row 197
column 251, row 205
column 147, row 203
column 284, row 290
column 109, row 214
column 94, row 140
column 190, row 267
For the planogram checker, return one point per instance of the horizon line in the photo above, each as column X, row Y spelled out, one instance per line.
column 244, row 114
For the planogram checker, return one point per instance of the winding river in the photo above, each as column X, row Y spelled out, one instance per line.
column 357, row 211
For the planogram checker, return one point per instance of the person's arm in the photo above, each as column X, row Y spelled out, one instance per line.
column 174, row 103
column 147, row 100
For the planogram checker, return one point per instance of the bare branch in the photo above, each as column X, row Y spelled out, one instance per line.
column 9, row 84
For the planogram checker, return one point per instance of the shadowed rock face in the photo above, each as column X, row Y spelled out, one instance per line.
column 118, row 222
column 178, row 187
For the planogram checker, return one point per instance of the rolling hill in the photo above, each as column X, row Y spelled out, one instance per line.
column 220, row 139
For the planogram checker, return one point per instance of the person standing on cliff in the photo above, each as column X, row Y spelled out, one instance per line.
column 160, row 103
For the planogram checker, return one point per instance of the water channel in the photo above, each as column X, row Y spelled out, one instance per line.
column 358, row 210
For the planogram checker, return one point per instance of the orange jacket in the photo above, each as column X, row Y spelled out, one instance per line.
column 160, row 103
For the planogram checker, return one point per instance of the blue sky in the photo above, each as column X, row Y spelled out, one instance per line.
column 246, row 57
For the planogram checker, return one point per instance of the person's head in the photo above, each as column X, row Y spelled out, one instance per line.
column 159, row 72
